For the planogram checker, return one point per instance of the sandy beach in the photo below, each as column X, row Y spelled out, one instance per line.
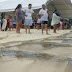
column 36, row 34
column 36, row 52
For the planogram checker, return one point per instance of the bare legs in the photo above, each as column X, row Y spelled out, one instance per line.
column 35, row 26
column 18, row 27
column 42, row 28
column 55, row 27
column 28, row 29
column 44, row 25
column 46, row 28
column 10, row 27
column 38, row 26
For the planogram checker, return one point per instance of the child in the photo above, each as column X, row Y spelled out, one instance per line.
column 1, row 20
column 35, row 23
column 11, row 23
column 8, row 21
column 38, row 22
column 63, row 24
column 14, row 22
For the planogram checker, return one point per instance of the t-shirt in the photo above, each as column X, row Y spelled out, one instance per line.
column 1, row 17
column 8, row 20
column 39, row 21
column 61, row 22
column 45, row 14
column 29, row 13
column 14, row 21
column 35, row 21
column 11, row 21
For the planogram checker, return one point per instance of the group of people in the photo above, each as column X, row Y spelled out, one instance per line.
column 7, row 24
column 28, row 18
column 42, row 18
column 11, row 22
column 27, row 15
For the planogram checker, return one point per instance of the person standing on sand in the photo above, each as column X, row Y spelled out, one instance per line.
column 14, row 22
column 28, row 17
column 55, row 20
column 1, row 20
column 44, row 18
column 11, row 23
column 35, row 23
column 8, row 22
column 38, row 22
column 19, row 17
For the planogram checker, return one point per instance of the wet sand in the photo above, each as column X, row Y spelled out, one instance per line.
column 49, row 54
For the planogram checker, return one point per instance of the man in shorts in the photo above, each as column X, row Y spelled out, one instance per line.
column 28, row 17
column 44, row 18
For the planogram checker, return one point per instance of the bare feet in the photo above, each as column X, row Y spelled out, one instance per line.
column 47, row 33
column 54, row 32
column 18, row 32
column 42, row 33
column 29, row 32
column 26, row 32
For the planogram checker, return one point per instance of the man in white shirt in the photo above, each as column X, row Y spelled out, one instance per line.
column 44, row 18
column 28, row 17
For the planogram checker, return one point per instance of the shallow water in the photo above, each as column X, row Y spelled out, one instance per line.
column 46, row 55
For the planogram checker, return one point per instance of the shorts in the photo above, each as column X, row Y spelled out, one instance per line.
column 1, row 25
column 35, row 23
column 28, row 22
column 14, row 24
column 44, row 22
column 38, row 23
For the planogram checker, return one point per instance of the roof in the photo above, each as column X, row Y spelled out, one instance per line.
column 10, row 5
column 64, row 7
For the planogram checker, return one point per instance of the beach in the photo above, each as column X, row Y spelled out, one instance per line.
column 36, row 52
column 12, row 36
